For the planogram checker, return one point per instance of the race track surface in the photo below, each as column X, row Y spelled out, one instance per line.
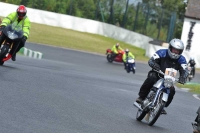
column 76, row 92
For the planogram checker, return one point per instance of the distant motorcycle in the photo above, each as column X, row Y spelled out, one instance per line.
column 155, row 102
column 196, row 125
column 118, row 58
column 13, row 34
column 130, row 65
column 190, row 76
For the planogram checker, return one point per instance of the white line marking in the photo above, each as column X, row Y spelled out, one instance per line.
column 196, row 96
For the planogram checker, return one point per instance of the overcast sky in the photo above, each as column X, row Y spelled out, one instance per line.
column 134, row 1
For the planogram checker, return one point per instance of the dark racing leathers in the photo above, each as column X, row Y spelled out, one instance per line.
column 161, row 61
column 197, row 120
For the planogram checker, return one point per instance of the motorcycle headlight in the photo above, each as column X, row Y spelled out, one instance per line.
column 168, row 83
column 12, row 35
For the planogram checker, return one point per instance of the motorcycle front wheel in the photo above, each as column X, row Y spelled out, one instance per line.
column 140, row 115
column 155, row 112
column 4, row 51
column 133, row 71
column 109, row 58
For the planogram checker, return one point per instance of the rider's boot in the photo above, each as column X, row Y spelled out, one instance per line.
column 14, row 57
column 139, row 100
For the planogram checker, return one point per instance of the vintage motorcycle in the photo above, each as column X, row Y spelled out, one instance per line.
column 196, row 125
column 155, row 102
column 13, row 34
column 130, row 65
column 118, row 58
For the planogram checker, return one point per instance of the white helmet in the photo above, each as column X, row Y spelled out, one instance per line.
column 191, row 58
column 176, row 48
column 117, row 45
column 126, row 50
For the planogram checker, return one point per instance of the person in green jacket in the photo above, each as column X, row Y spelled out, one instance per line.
column 115, row 49
column 22, row 20
column 127, row 55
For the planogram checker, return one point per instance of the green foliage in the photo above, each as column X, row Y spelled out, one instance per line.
column 85, row 8
column 130, row 17
column 119, row 7
column 17, row 2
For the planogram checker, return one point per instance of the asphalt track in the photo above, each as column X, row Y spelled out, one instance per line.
column 76, row 92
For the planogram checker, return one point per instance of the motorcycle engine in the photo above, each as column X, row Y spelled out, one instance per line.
column 198, row 116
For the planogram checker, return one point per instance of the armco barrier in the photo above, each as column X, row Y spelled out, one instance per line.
column 31, row 53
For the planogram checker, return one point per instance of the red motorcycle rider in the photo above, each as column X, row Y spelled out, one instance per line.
column 115, row 54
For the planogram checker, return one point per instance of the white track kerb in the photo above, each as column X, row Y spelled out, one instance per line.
column 31, row 53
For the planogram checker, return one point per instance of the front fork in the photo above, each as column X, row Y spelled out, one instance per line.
column 158, row 95
column 7, row 43
column 133, row 65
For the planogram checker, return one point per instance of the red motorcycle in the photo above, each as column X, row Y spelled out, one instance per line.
column 13, row 34
column 118, row 58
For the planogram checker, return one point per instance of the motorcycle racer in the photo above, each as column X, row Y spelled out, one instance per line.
column 22, row 20
column 115, row 49
column 192, row 64
column 162, row 59
column 126, row 55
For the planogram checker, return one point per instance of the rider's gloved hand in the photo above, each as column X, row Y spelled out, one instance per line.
column 182, row 80
column 2, row 27
column 156, row 66
column 24, row 38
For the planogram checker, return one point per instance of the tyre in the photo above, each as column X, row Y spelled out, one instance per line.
column 1, row 63
column 155, row 112
column 109, row 58
column 133, row 71
column 128, row 71
column 140, row 115
column 4, row 51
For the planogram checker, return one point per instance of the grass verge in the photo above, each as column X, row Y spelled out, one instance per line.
column 194, row 87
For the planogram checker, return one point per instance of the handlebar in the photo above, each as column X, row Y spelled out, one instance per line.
column 177, row 80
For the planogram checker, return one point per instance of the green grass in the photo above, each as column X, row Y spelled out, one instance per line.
column 55, row 36
column 194, row 87
column 61, row 37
